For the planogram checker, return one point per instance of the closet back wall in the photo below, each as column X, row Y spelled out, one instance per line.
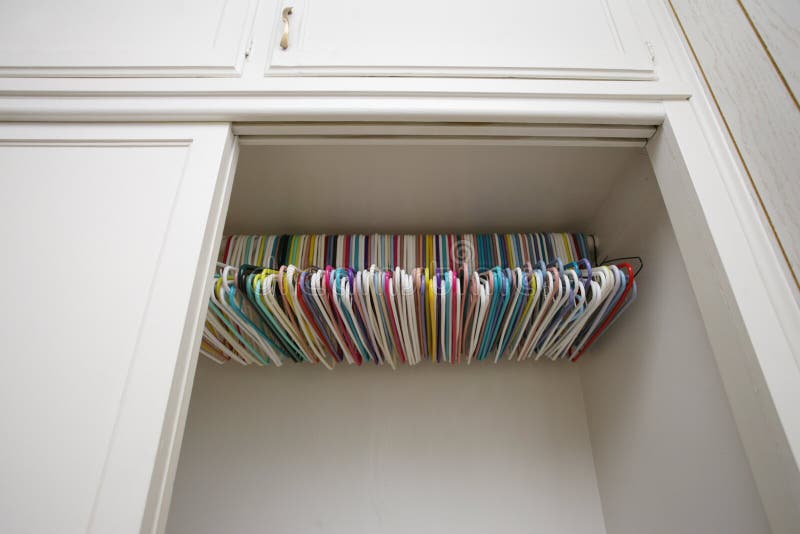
column 509, row 447
column 486, row 448
column 470, row 449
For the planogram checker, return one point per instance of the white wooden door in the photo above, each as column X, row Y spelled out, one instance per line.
column 124, row 38
column 109, row 235
column 585, row 39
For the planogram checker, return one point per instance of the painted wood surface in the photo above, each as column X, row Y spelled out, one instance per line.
column 761, row 115
column 725, row 256
column 778, row 24
column 519, row 39
column 109, row 225
column 142, row 38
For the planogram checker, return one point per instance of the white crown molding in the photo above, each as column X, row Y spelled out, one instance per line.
column 621, row 74
column 362, row 107
column 384, row 86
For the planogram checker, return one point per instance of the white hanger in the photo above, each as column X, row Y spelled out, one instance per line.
column 319, row 295
column 343, row 300
column 579, row 298
column 512, row 304
column 528, row 314
column 480, row 314
column 254, row 338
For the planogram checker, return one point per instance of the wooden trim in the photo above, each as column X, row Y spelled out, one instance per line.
column 753, row 337
column 211, row 88
column 448, row 129
column 325, row 107
column 261, row 140
column 621, row 74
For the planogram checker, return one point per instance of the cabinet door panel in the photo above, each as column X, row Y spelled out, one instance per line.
column 106, row 231
column 127, row 38
column 592, row 39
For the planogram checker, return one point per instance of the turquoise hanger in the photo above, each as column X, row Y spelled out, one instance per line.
column 235, row 332
column 290, row 348
column 515, row 313
column 260, row 331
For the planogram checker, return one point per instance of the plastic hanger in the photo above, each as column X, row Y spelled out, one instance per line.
column 628, row 271
column 343, row 300
column 445, row 313
column 228, row 303
column 535, row 282
column 317, row 293
column 253, row 291
column 218, row 308
column 515, row 307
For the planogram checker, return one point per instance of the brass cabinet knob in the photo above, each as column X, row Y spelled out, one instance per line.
column 285, row 17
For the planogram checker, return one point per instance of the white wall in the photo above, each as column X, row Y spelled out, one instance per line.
column 747, row 52
column 667, row 452
column 458, row 188
column 491, row 449
column 778, row 24
column 431, row 449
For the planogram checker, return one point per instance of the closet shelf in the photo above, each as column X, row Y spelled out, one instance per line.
column 531, row 296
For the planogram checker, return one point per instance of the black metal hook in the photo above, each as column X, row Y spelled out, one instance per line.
column 634, row 258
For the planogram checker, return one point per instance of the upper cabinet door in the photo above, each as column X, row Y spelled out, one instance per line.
column 571, row 39
column 172, row 38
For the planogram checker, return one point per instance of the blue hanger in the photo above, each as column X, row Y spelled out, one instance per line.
column 288, row 347
column 259, row 330
column 514, row 313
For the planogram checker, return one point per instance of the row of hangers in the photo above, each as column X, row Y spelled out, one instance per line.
column 445, row 251
column 262, row 316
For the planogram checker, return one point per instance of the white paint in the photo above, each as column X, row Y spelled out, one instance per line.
column 472, row 449
column 757, row 107
column 142, row 38
column 430, row 38
column 755, row 349
column 213, row 88
column 665, row 445
column 395, row 131
column 104, row 223
column 46, row 47
column 778, row 23
column 461, row 141
column 329, row 106
column 177, row 56
column 750, row 318
column 726, row 244
column 453, row 134
column 420, row 188
column 160, row 494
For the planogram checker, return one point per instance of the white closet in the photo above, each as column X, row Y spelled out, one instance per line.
column 640, row 423
column 132, row 138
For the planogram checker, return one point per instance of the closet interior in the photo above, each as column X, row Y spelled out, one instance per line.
column 638, row 428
